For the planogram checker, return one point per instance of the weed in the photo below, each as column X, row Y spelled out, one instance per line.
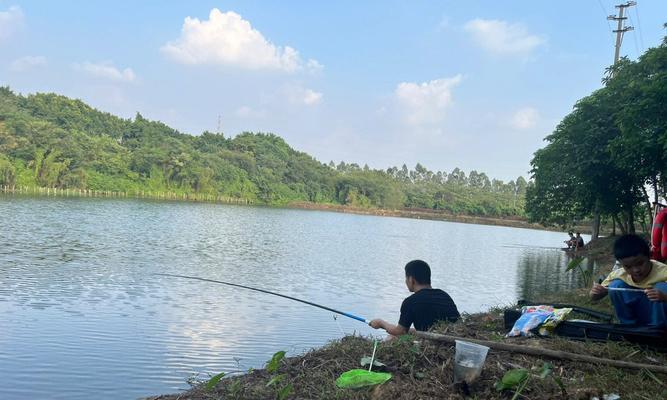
column 214, row 381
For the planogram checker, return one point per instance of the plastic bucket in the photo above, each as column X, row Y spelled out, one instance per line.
column 468, row 361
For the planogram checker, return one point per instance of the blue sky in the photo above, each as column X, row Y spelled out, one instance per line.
column 468, row 84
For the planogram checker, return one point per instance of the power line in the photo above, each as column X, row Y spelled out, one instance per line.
column 604, row 10
column 634, row 38
column 639, row 26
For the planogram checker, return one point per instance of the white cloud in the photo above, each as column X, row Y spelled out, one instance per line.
column 311, row 97
column 425, row 103
column 10, row 21
column 228, row 39
column 501, row 37
column 525, row 118
column 313, row 66
column 106, row 70
column 296, row 95
column 26, row 63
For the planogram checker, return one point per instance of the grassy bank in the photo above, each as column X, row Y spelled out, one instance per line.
column 423, row 369
column 415, row 213
column 439, row 215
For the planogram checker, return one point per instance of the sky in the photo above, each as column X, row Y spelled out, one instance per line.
column 470, row 84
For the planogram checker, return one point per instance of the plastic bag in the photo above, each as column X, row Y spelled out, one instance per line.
column 531, row 317
column 549, row 325
column 358, row 378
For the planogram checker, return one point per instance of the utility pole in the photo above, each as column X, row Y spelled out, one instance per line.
column 219, row 123
column 620, row 30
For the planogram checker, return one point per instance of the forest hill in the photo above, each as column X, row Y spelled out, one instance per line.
column 47, row 140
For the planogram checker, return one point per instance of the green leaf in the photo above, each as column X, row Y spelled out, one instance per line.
column 574, row 263
column 276, row 379
column 547, row 368
column 214, row 381
column 512, row 379
column 284, row 392
column 367, row 360
column 273, row 364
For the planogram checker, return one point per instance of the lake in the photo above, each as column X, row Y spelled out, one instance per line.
column 82, row 312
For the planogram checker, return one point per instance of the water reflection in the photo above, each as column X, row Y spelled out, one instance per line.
column 543, row 272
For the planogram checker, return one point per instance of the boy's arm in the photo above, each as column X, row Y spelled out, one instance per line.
column 396, row 330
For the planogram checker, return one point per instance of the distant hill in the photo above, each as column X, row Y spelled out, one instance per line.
column 48, row 140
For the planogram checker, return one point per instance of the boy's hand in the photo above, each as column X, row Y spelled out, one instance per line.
column 655, row 295
column 598, row 290
column 376, row 323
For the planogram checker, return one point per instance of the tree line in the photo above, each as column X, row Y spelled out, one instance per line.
column 607, row 159
column 47, row 140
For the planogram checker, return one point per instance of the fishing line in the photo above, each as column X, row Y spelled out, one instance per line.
column 269, row 292
column 335, row 317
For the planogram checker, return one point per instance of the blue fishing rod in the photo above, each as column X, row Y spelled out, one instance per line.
column 269, row 292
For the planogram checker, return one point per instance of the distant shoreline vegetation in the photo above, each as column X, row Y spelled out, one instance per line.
column 51, row 141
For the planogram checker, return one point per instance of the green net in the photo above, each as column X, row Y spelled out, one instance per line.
column 358, row 378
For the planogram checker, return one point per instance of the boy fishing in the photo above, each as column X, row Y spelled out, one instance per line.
column 638, row 291
column 424, row 307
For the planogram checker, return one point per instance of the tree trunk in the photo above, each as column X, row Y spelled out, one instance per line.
column 620, row 224
column 649, row 209
column 613, row 226
column 595, row 231
column 631, row 221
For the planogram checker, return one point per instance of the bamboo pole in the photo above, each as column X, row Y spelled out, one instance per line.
column 537, row 351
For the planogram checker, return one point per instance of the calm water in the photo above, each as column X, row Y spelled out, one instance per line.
column 81, row 311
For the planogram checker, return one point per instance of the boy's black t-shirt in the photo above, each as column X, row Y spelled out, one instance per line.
column 426, row 307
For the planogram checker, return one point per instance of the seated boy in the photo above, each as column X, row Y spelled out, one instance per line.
column 647, row 307
column 424, row 307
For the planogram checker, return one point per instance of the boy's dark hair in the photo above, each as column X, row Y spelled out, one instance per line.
column 630, row 246
column 419, row 270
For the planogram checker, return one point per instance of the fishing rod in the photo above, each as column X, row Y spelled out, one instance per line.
column 622, row 289
column 269, row 292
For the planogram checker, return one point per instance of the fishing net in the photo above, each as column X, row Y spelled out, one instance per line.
column 357, row 378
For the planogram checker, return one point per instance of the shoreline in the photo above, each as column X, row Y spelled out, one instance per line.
column 432, row 215
column 427, row 214
column 424, row 369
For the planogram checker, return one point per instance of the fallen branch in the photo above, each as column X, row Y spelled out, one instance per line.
column 561, row 355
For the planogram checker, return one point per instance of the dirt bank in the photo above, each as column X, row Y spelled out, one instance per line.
column 438, row 215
